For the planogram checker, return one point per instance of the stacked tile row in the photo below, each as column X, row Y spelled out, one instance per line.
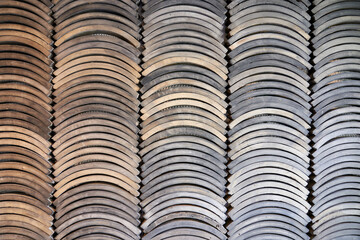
column 270, row 111
column 96, row 119
column 336, row 42
column 25, row 119
column 183, row 117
